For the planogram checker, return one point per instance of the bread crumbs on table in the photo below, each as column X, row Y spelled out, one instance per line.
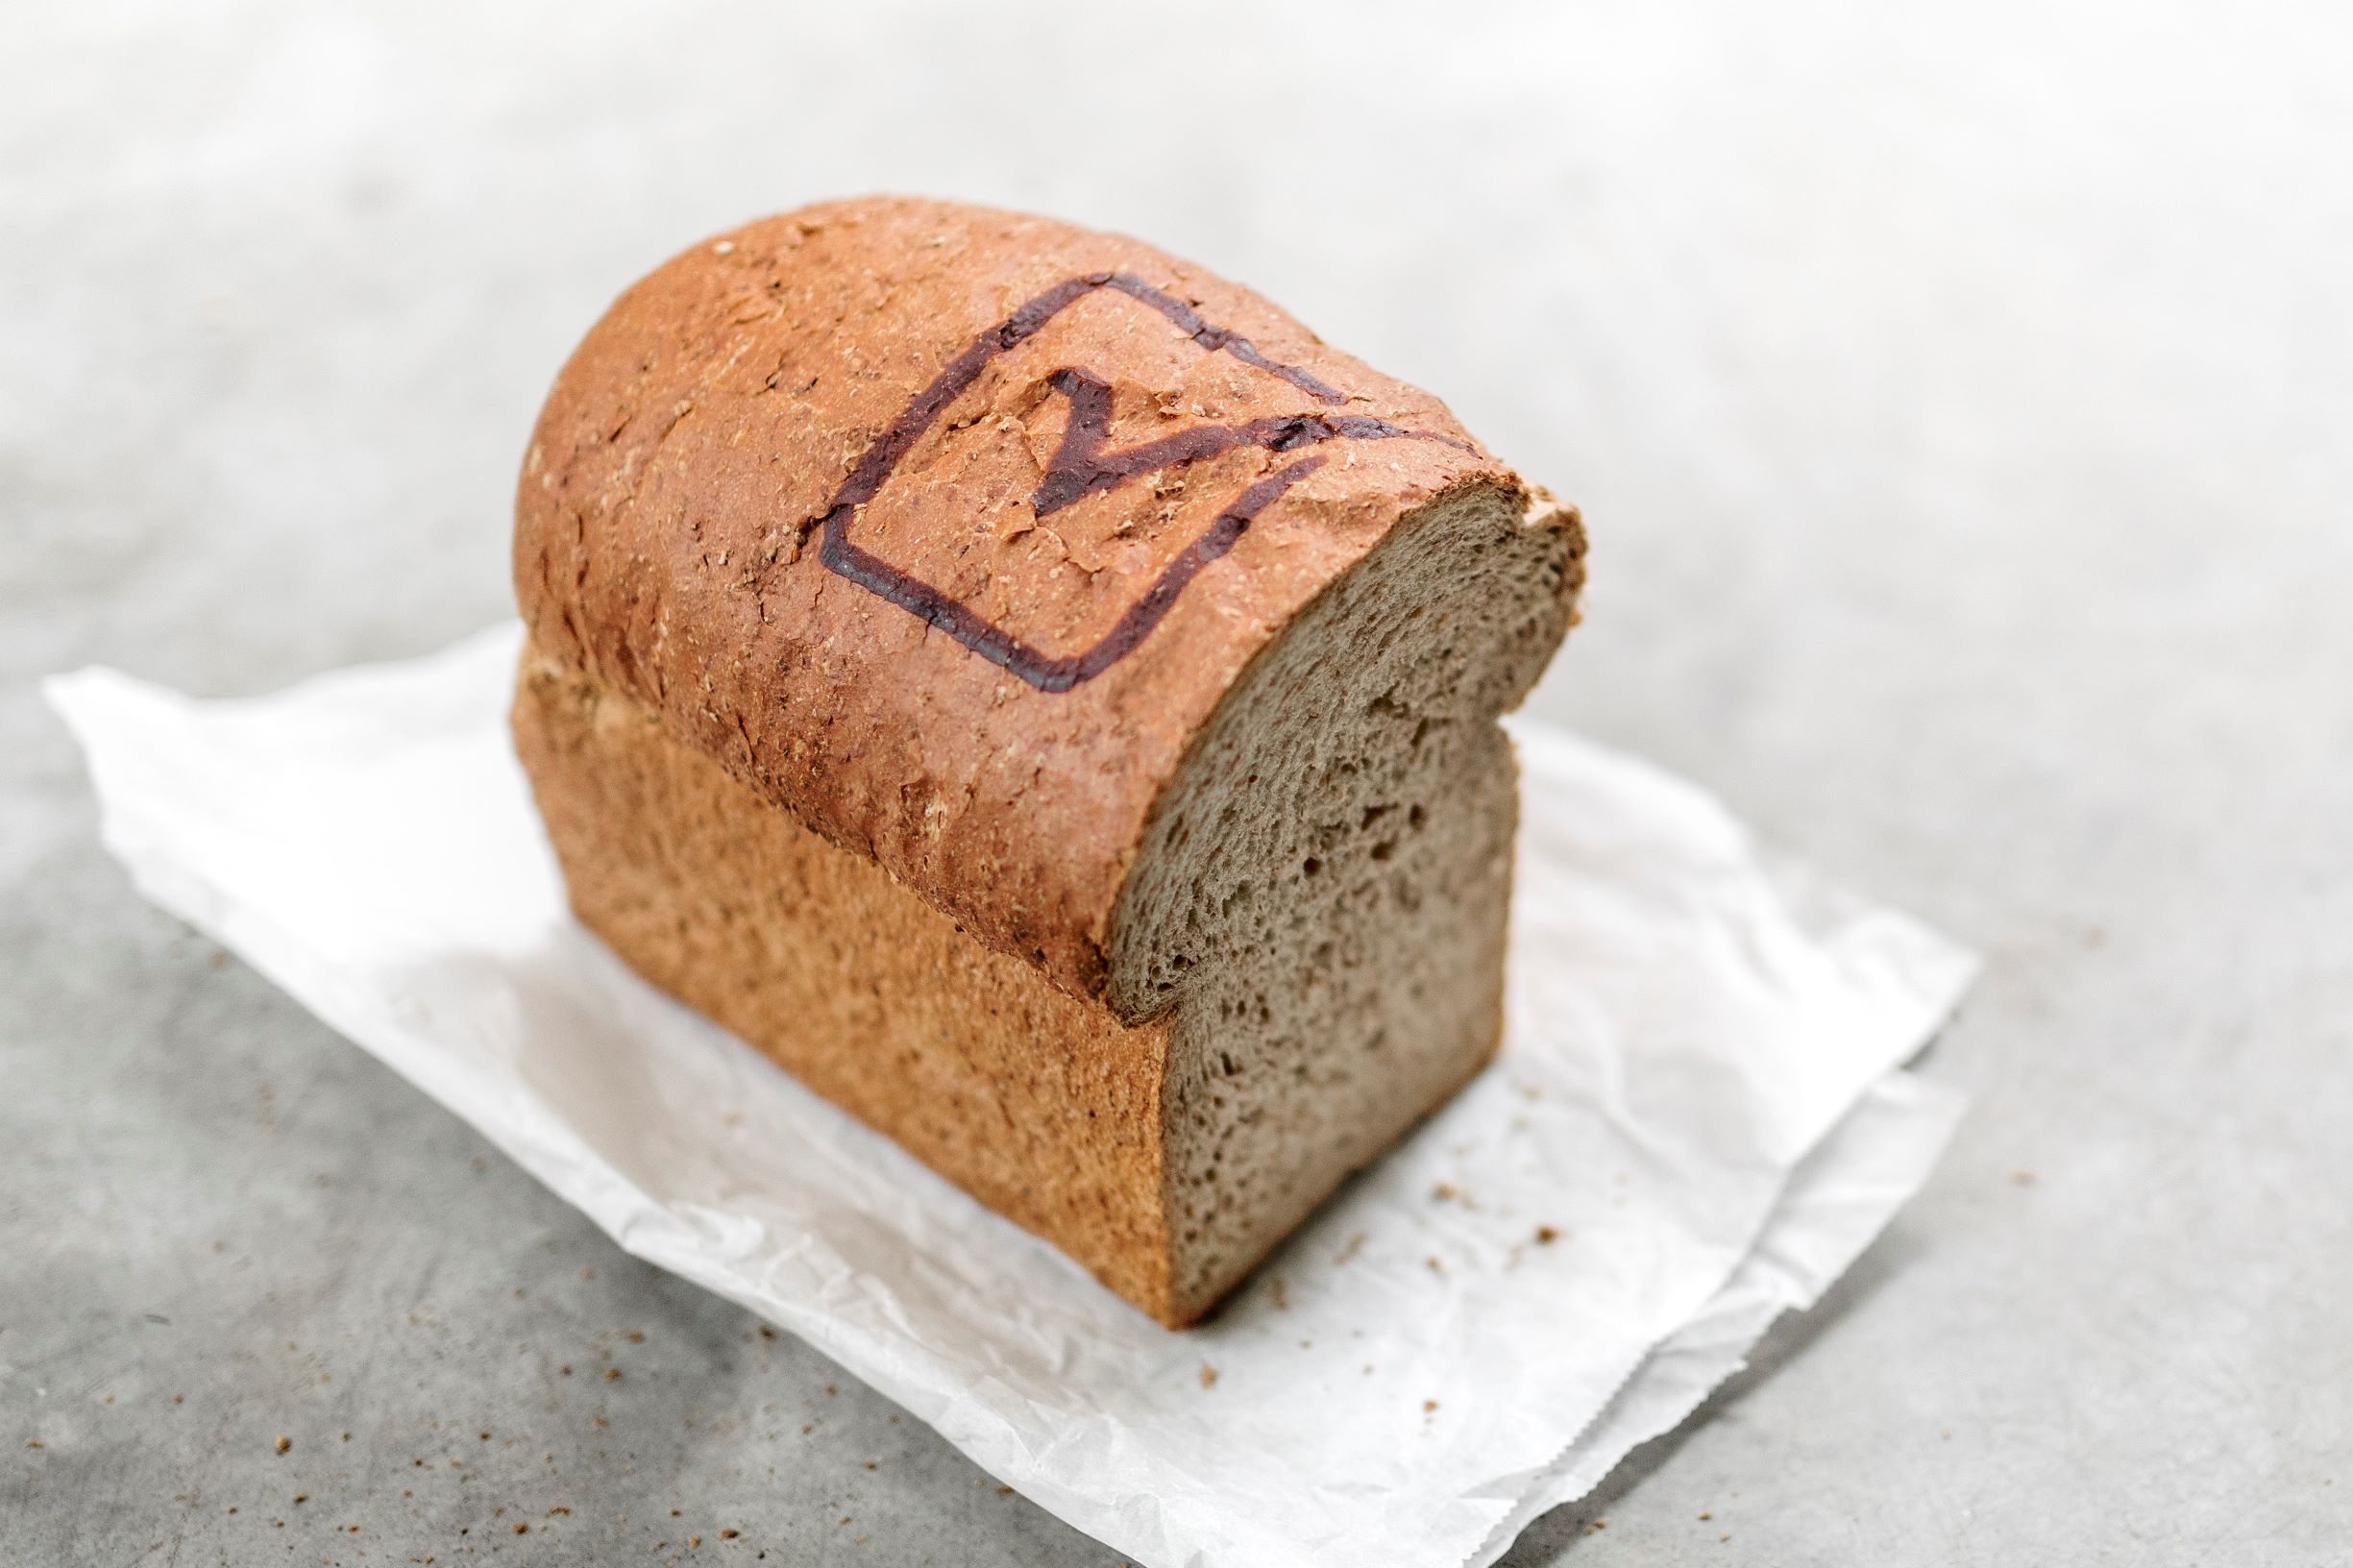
column 612, row 1374
column 1546, row 1236
column 729, row 1533
column 301, row 1497
column 694, row 1540
column 284, row 1443
column 522, row 1526
column 1428, row 1405
column 1209, row 1375
column 1004, row 1491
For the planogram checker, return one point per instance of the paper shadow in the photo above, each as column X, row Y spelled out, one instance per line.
column 1551, row 1537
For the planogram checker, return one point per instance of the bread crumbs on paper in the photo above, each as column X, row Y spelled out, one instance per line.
column 1209, row 1375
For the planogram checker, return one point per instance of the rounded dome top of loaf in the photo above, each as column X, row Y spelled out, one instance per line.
column 947, row 530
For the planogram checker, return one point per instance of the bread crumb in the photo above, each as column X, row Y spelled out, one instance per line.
column 612, row 1374
column 1442, row 1191
column 1209, row 1375
column 2022, row 1178
column 1001, row 1492
column 1546, row 1236
column 285, row 1443
column 729, row 1533
column 34, row 1442
column 301, row 1497
column 634, row 1338
column 694, row 1540
column 1428, row 1405
column 1349, row 1251
column 522, row 1526
column 1708, row 1513
column 1598, row 1524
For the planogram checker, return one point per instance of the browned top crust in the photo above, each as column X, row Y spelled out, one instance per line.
column 946, row 528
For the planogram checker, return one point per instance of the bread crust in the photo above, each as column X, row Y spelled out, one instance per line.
column 944, row 529
column 1038, row 1103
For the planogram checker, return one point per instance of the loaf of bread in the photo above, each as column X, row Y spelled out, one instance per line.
column 1045, row 698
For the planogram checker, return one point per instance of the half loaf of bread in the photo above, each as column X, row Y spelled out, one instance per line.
column 1045, row 698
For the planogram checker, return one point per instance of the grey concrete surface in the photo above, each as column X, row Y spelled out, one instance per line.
column 1962, row 409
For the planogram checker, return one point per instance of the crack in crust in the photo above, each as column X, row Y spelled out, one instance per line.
column 1082, row 468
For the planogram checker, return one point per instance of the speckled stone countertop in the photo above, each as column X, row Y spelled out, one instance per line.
column 1959, row 410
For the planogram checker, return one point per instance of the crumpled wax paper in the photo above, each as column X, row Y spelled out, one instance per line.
column 1697, row 1121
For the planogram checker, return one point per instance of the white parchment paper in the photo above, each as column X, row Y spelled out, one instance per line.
column 1697, row 1121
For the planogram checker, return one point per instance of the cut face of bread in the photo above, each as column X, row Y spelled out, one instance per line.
column 1045, row 698
column 1320, row 897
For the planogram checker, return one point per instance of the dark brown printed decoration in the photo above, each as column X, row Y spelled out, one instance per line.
column 1080, row 467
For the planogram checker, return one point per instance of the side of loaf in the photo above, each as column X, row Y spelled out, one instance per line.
column 1045, row 698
